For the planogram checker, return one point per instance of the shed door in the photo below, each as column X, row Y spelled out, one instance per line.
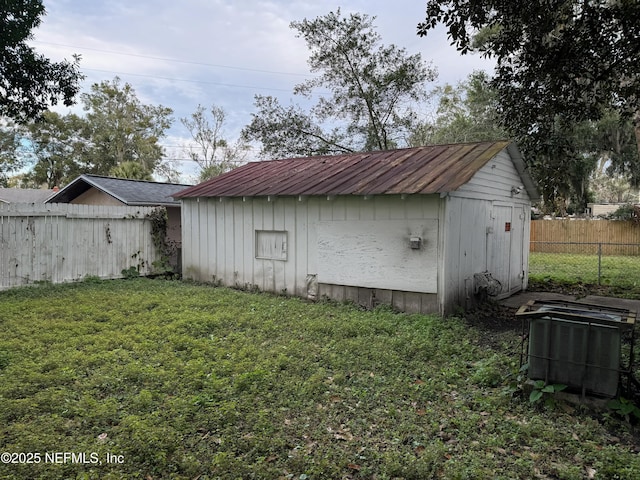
column 506, row 247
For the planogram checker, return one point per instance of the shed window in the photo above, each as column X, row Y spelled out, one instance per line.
column 271, row 244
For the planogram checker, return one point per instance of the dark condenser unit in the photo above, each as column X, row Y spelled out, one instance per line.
column 578, row 345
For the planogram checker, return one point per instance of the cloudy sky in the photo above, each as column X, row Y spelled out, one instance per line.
column 223, row 52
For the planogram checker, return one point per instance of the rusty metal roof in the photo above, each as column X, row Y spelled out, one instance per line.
column 428, row 169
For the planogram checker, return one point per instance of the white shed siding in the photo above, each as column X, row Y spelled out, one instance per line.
column 494, row 181
column 377, row 254
column 474, row 238
column 219, row 244
column 465, row 247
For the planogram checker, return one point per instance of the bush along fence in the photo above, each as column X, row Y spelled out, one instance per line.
column 64, row 242
column 594, row 263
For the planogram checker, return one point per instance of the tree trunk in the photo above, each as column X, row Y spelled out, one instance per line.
column 636, row 127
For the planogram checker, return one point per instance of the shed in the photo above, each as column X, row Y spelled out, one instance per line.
column 424, row 229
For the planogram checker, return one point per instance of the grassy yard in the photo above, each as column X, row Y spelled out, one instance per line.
column 616, row 270
column 159, row 379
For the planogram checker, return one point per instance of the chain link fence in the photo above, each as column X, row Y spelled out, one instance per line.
column 597, row 263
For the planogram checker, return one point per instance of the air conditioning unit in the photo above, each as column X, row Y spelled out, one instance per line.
column 576, row 344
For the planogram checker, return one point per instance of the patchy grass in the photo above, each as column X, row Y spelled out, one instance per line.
column 615, row 270
column 184, row 381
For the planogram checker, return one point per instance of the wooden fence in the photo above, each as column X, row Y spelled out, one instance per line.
column 63, row 242
column 613, row 237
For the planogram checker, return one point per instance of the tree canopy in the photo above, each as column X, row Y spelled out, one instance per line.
column 213, row 152
column 55, row 146
column 9, row 144
column 562, row 56
column 466, row 112
column 558, row 62
column 29, row 82
column 372, row 89
column 122, row 128
column 118, row 136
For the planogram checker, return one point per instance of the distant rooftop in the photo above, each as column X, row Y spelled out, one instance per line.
column 129, row 192
column 24, row 195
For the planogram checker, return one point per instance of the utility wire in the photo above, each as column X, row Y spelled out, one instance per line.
column 188, row 62
column 231, row 85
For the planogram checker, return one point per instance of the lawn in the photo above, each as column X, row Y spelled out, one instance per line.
column 152, row 379
column 615, row 270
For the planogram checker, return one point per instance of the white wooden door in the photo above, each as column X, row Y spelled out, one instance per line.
column 506, row 247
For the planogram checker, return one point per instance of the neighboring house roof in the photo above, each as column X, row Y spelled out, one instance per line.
column 129, row 192
column 425, row 170
column 24, row 195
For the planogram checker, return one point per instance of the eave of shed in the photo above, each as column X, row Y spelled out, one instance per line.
column 425, row 170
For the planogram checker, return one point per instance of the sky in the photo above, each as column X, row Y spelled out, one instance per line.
column 181, row 54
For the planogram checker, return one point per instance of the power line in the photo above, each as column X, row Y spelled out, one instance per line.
column 248, row 147
column 241, row 162
column 164, row 59
column 231, row 85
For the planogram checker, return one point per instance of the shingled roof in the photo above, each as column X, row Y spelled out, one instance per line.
column 129, row 192
column 422, row 170
column 24, row 195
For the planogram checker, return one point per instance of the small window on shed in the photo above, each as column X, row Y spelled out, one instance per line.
column 271, row 244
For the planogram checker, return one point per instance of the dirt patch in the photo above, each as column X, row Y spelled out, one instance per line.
column 490, row 315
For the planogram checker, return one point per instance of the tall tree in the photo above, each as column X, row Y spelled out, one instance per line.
column 559, row 62
column 55, row 145
column 562, row 166
column 290, row 131
column 10, row 160
column 614, row 139
column 372, row 91
column 466, row 112
column 29, row 82
column 122, row 129
column 212, row 151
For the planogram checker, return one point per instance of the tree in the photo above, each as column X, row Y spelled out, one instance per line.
column 55, row 144
column 29, row 82
column 467, row 112
column 212, row 152
column 9, row 159
column 290, row 131
column 610, row 188
column 372, row 91
column 615, row 142
column 559, row 63
column 131, row 170
column 567, row 57
column 122, row 129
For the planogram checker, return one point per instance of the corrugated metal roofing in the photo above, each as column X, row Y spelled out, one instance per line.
column 428, row 169
column 129, row 192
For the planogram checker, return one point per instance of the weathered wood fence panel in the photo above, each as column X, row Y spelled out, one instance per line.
column 63, row 242
column 561, row 236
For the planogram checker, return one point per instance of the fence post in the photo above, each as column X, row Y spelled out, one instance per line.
column 599, row 263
